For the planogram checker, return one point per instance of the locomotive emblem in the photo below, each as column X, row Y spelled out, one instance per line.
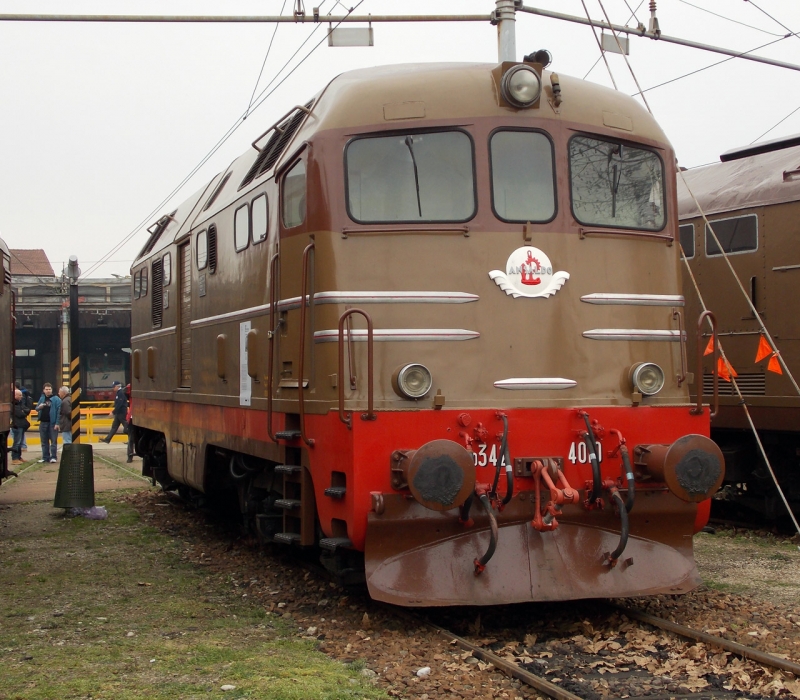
column 529, row 273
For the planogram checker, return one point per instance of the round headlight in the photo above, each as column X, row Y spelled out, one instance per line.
column 647, row 378
column 521, row 86
column 412, row 381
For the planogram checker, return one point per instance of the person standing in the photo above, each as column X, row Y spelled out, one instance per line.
column 119, row 413
column 129, row 418
column 48, row 408
column 19, row 424
column 65, row 416
column 27, row 401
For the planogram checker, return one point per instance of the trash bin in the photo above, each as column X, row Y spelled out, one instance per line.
column 75, row 486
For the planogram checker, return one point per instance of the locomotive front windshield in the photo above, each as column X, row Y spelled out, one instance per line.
column 614, row 184
column 411, row 177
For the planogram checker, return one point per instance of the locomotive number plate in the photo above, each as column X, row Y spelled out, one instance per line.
column 483, row 457
column 578, row 454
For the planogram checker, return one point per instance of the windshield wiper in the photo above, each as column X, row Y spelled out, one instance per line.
column 409, row 141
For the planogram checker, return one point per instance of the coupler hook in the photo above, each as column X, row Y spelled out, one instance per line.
column 545, row 519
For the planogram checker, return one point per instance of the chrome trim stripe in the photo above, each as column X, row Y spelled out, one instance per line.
column 382, row 298
column 398, row 334
column 632, row 334
column 154, row 334
column 240, row 315
column 536, row 383
column 635, row 299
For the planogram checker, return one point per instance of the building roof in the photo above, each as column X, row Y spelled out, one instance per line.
column 30, row 262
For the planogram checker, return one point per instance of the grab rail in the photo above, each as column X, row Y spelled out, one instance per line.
column 347, row 418
column 300, row 383
column 684, row 360
column 698, row 409
column 273, row 302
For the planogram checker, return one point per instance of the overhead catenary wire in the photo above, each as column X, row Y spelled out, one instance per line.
column 743, row 24
column 777, row 21
column 774, row 126
column 599, row 45
column 262, row 97
column 263, row 65
column 632, row 16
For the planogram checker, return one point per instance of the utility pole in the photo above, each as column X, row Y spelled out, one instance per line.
column 73, row 272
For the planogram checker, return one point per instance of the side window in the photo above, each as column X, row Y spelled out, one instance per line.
column 166, row 263
column 737, row 235
column 259, row 217
column 137, row 284
column 687, row 240
column 523, row 182
column 144, row 281
column 202, row 250
column 241, row 228
column 293, row 195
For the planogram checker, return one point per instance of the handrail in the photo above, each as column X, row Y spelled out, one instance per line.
column 273, row 301
column 347, row 419
column 684, row 361
column 277, row 124
column 300, row 387
column 698, row 409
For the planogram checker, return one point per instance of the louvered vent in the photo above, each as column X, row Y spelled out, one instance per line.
column 219, row 189
column 158, row 293
column 212, row 248
column 750, row 384
column 277, row 143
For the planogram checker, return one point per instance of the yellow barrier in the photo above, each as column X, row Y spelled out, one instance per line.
column 96, row 420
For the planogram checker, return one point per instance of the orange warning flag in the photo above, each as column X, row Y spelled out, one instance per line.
column 724, row 370
column 773, row 365
column 710, row 347
column 764, row 349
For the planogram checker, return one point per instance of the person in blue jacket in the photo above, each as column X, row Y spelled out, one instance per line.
column 48, row 408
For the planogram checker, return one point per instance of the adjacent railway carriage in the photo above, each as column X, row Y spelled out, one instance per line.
column 6, row 354
column 432, row 324
column 752, row 201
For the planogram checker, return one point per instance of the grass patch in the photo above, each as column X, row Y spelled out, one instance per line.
column 725, row 587
column 107, row 609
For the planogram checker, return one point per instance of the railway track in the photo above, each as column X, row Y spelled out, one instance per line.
column 584, row 649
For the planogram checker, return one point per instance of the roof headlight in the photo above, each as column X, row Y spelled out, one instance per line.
column 521, row 86
column 412, row 381
column 647, row 378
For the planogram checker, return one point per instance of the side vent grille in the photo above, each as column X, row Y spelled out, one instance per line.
column 158, row 293
column 212, row 248
column 750, row 384
column 278, row 141
column 219, row 189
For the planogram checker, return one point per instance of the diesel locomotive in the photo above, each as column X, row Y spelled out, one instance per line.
column 751, row 198
column 6, row 355
column 432, row 326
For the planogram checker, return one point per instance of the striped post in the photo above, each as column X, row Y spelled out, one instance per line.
column 74, row 350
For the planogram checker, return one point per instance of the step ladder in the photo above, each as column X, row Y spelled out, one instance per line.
column 297, row 506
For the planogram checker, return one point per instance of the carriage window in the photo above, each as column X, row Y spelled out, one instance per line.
column 411, row 177
column 738, row 235
column 259, row 218
column 293, row 196
column 523, row 188
column 137, row 284
column 241, row 228
column 614, row 184
column 167, row 266
column 144, row 281
column 687, row 240
column 202, row 250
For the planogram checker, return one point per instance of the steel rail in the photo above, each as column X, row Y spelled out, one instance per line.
column 211, row 19
column 734, row 647
column 656, row 37
column 508, row 667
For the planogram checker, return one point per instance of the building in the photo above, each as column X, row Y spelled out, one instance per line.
column 42, row 321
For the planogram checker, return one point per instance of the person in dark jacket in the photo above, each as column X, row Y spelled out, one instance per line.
column 19, row 424
column 48, row 408
column 27, row 400
column 119, row 413
column 65, row 416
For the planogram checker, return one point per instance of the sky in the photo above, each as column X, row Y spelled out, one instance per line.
column 102, row 122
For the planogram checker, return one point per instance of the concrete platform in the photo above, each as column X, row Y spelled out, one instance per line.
column 37, row 482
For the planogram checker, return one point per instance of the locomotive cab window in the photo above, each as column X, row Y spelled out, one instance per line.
column 615, row 184
column 144, row 282
column 259, row 216
column 736, row 235
column 137, row 284
column 293, row 195
column 523, row 186
column 686, row 232
column 166, row 262
column 411, row 177
column 202, row 250
column 241, row 228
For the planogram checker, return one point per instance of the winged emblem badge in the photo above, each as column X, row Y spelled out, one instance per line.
column 529, row 273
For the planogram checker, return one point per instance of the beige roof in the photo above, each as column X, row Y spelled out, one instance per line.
column 30, row 262
column 738, row 184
